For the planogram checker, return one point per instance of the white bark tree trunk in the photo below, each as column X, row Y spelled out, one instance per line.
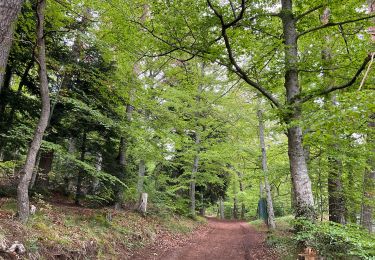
column 140, row 187
column 141, row 176
column 271, row 215
column 143, row 203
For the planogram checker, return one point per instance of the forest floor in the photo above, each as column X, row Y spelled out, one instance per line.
column 64, row 231
column 223, row 239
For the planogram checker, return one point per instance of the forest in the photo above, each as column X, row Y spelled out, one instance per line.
column 116, row 116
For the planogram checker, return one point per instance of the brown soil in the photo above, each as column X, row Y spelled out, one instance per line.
column 222, row 240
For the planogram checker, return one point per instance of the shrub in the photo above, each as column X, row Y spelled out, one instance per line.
column 336, row 241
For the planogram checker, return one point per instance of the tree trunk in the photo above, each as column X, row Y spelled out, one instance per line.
column 143, row 203
column 240, row 182
column 202, row 210
column 35, row 172
column 243, row 209
column 27, row 170
column 69, row 185
column 271, row 214
column 81, row 171
column 192, row 180
column 9, row 10
column 298, row 168
column 351, row 212
column 98, row 167
column 336, row 200
column 141, row 176
column 235, row 207
column 4, row 94
column 193, row 176
column 122, row 164
column 221, row 208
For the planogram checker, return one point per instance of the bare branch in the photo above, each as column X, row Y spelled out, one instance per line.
column 308, row 12
column 343, row 86
column 330, row 24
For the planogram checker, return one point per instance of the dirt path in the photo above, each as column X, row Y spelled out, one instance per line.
column 225, row 240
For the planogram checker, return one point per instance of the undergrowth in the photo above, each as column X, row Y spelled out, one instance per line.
column 329, row 239
column 336, row 241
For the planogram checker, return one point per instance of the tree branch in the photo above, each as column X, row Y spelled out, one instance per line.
column 330, row 24
column 308, row 12
column 238, row 70
column 343, row 86
column 233, row 8
column 220, row 16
